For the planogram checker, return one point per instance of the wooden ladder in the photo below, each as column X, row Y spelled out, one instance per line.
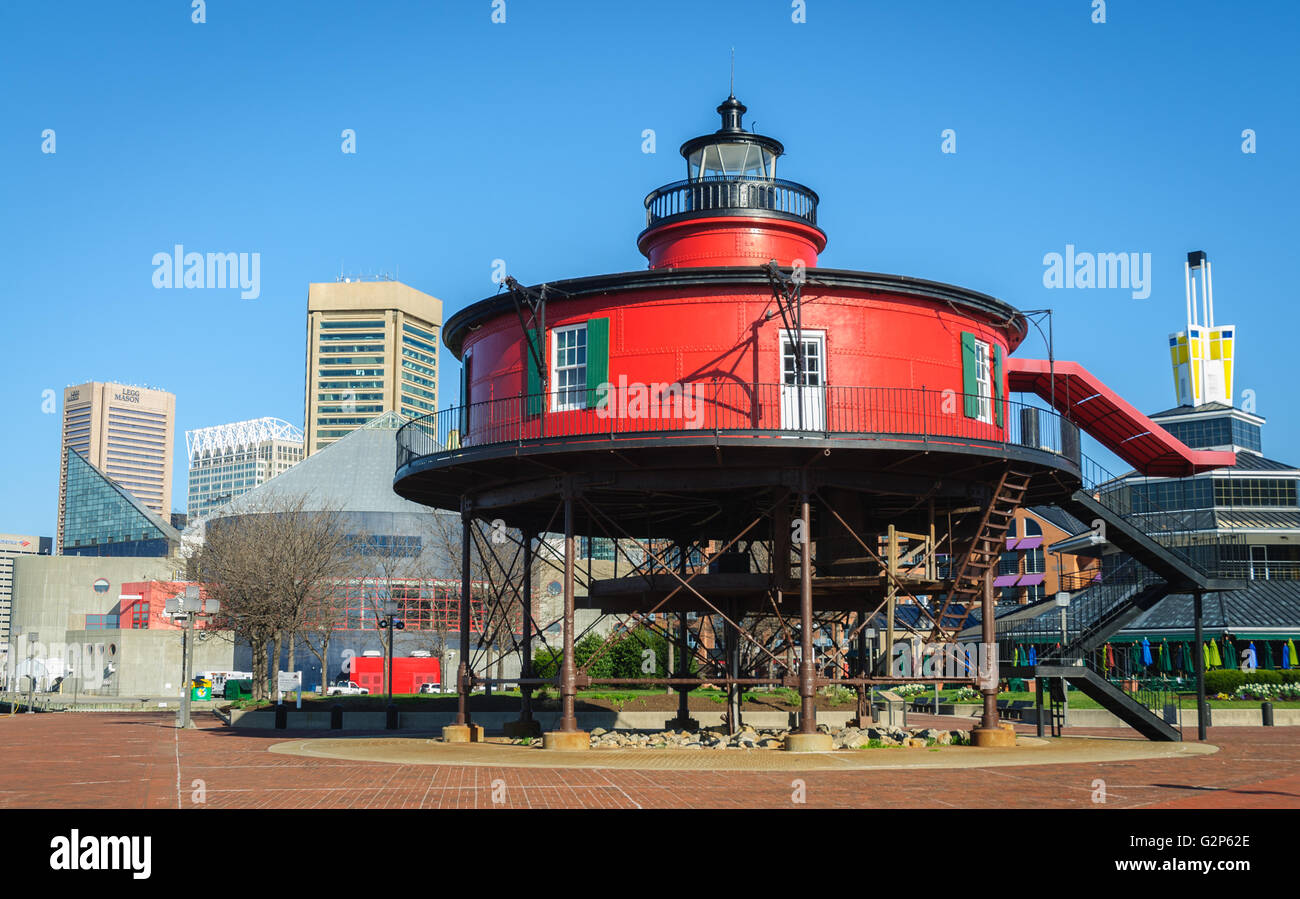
column 984, row 553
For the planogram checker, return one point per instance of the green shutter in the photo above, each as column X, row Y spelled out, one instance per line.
column 533, row 390
column 464, row 395
column 997, row 384
column 969, row 384
column 597, row 359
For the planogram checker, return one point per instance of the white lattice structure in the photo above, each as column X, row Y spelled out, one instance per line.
column 240, row 434
column 227, row 461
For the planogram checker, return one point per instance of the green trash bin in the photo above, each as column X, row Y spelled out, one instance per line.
column 201, row 694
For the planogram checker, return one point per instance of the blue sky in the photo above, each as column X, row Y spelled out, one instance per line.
column 522, row 141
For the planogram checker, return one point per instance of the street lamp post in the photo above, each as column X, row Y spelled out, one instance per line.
column 390, row 622
column 185, row 608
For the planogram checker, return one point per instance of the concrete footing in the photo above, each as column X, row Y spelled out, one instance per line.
column 519, row 729
column 993, row 736
column 566, row 741
column 462, row 733
column 688, row 724
column 808, row 742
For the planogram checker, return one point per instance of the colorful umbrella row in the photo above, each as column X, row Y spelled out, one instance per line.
column 1179, row 657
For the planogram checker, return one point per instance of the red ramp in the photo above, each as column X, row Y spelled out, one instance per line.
column 1097, row 410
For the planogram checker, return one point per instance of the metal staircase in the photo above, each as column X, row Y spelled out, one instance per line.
column 1115, row 700
column 1158, row 561
column 982, row 556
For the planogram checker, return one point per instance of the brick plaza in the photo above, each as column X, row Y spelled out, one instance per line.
column 141, row 761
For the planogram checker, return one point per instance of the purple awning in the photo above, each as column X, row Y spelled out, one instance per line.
column 1023, row 543
column 1018, row 580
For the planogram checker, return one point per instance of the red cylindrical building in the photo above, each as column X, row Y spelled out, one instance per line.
column 736, row 396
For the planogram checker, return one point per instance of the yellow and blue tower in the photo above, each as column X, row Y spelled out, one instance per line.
column 1202, row 355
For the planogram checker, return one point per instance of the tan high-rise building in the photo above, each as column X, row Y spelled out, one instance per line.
column 124, row 431
column 372, row 347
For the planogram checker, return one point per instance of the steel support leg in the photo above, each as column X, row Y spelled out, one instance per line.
column 1199, row 658
column 864, row 670
column 569, row 669
column 526, row 663
column 462, row 669
column 807, row 668
column 684, row 719
column 731, row 634
column 989, row 638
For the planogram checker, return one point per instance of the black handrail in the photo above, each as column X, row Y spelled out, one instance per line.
column 613, row 413
column 718, row 196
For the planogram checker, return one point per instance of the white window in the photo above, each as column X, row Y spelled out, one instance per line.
column 984, row 381
column 569, row 368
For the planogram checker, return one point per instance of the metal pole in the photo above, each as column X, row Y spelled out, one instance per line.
column 683, row 670
column 568, row 670
column 864, row 703
column 526, row 663
column 462, row 667
column 185, row 669
column 731, row 634
column 1200, row 667
column 388, row 667
column 988, row 636
column 1038, row 702
column 807, row 704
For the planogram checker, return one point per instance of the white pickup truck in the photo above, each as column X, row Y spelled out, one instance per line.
column 347, row 688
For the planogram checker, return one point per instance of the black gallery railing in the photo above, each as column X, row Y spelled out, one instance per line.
column 718, row 407
column 717, row 196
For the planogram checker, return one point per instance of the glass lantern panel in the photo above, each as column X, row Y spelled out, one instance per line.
column 732, row 160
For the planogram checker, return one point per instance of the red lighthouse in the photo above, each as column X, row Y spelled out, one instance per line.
column 838, row 449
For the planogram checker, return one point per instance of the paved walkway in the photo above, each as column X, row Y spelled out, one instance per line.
column 99, row 760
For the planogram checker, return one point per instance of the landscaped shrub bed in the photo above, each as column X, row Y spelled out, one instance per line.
column 1229, row 679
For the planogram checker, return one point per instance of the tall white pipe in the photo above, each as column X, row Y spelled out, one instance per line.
column 1196, row 304
column 1187, row 289
column 1209, row 294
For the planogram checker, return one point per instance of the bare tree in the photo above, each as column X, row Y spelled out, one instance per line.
column 267, row 566
column 322, row 617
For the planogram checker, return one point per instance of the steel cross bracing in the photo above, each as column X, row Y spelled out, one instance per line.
column 533, row 301
column 768, row 641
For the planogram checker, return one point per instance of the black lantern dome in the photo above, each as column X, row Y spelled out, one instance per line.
column 731, row 153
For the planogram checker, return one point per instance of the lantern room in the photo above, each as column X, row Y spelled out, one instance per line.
column 731, row 209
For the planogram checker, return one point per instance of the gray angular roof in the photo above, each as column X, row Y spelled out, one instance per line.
column 1261, row 606
column 1253, row 462
column 1188, row 410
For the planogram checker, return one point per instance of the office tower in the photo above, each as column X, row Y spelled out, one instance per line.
column 372, row 347
column 126, row 433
